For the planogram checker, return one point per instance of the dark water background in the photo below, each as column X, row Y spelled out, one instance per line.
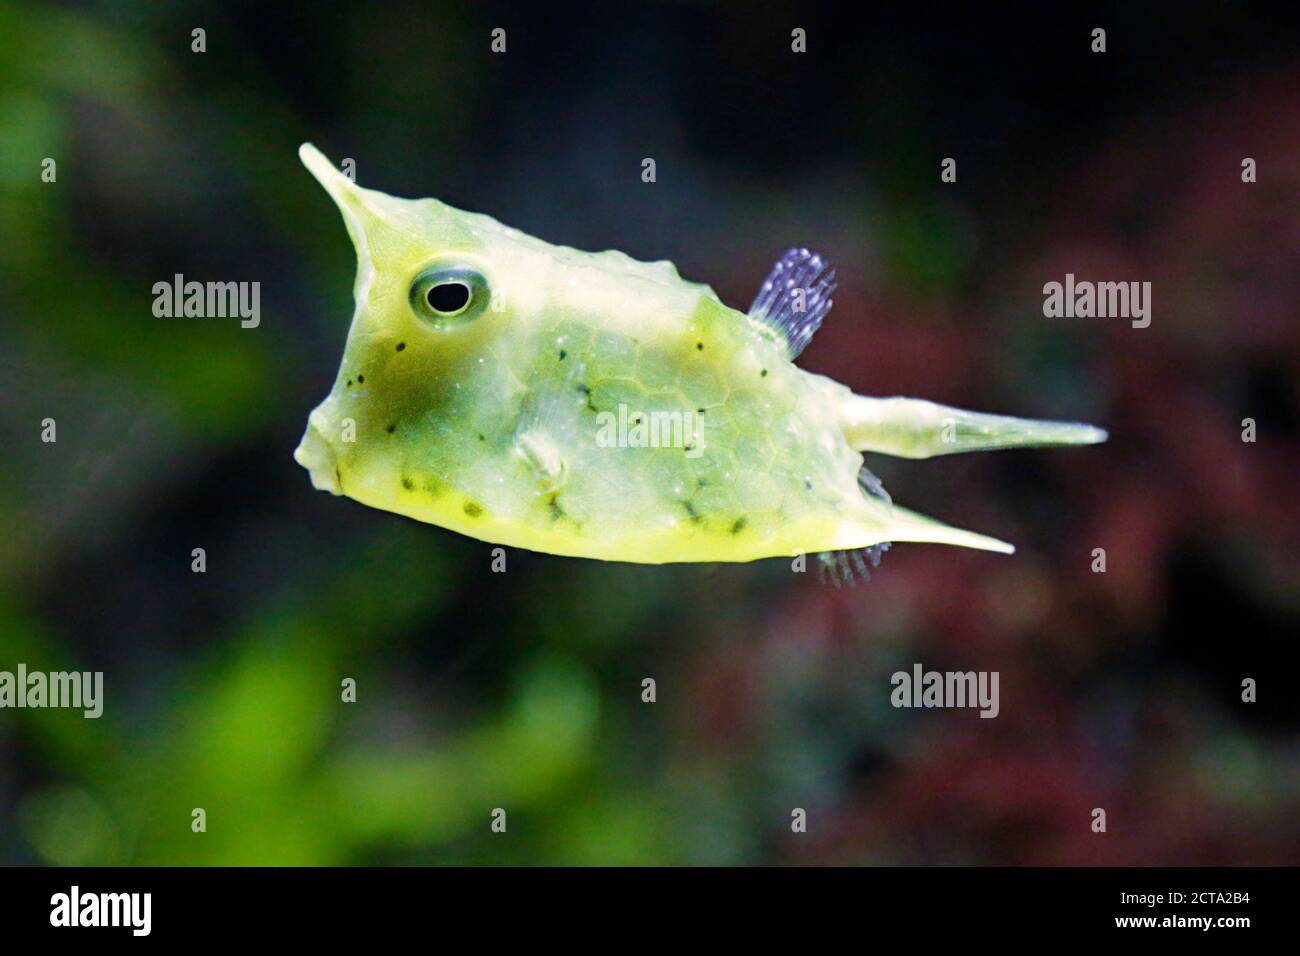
column 522, row 690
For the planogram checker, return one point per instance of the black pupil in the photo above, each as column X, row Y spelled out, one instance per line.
column 448, row 296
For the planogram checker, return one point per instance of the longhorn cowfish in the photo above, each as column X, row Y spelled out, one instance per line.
column 592, row 405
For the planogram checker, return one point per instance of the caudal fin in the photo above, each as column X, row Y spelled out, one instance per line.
column 915, row 428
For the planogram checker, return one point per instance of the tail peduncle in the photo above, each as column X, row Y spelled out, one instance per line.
column 915, row 428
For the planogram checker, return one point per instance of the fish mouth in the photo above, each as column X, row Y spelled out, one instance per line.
column 316, row 454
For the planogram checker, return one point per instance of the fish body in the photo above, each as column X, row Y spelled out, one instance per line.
column 592, row 405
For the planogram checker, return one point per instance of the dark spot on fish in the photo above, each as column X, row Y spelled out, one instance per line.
column 401, row 346
column 739, row 525
column 556, row 511
column 696, row 517
column 408, row 484
column 563, row 355
column 390, row 429
column 587, row 391
column 481, row 437
column 361, row 379
column 473, row 509
column 763, row 373
column 807, row 484
column 349, row 383
column 700, row 411
column 699, row 346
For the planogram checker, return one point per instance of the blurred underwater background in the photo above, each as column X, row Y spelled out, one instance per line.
column 523, row 690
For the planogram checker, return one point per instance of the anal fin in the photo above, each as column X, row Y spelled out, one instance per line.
column 850, row 566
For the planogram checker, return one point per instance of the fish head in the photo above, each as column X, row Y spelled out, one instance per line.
column 436, row 289
column 471, row 343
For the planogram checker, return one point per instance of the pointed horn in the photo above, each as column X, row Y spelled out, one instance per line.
column 914, row 428
column 342, row 190
column 363, row 209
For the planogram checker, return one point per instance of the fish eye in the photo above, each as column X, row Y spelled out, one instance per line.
column 448, row 298
column 446, row 293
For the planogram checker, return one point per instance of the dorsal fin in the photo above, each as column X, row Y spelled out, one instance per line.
column 795, row 298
